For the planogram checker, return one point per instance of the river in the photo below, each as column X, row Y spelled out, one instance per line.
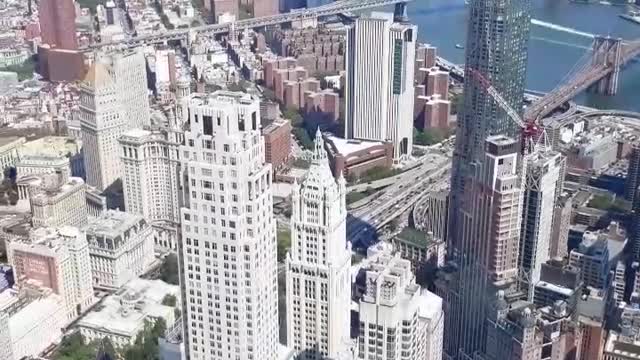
column 552, row 53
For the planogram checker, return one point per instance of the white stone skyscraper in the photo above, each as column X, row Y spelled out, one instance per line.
column 543, row 180
column 379, row 90
column 228, row 246
column 113, row 99
column 150, row 181
column 318, row 277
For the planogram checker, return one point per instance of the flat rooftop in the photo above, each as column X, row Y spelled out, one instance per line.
column 112, row 223
column 51, row 146
column 414, row 237
column 345, row 147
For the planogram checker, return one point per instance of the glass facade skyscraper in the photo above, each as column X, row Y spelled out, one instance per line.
column 484, row 214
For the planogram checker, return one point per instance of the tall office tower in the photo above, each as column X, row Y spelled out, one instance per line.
column 398, row 319
column 634, row 237
column 318, row 280
column 228, row 246
column 113, row 99
column 542, row 181
column 633, row 173
column 491, row 220
column 497, row 45
column 58, row 258
column 150, row 181
column 379, row 87
column 130, row 69
column 58, row 23
column 101, row 125
column 59, row 59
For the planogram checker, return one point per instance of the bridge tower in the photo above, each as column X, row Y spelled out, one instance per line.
column 400, row 12
column 607, row 52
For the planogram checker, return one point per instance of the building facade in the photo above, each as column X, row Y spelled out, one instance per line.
column 398, row 319
column 592, row 258
column 488, row 259
column 318, row 277
column 633, row 173
column 151, row 165
column 58, row 201
column 56, row 258
column 120, row 247
column 277, row 141
column 228, row 245
column 543, row 170
column 379, row 91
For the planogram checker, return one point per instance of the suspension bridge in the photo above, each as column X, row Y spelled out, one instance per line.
column 598, row 70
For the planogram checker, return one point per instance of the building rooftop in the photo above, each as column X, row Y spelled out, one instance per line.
column 414, row 237
column 624, row 349
column 51, row 146
column 112, row 223
column 345, row 147
column 124, row 312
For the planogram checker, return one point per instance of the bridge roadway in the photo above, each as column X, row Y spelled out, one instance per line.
column 393, row 202
column 338, row 7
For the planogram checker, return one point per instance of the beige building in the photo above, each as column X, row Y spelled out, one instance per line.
column 58, row 201
column 9, row 150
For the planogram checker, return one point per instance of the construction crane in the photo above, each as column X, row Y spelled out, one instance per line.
column 532, row 132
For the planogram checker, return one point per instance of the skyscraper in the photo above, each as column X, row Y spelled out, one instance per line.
column 113, row 99
column 633, row 173
column 58, row 23
column 497, row 46
column 379, row 88
column 101, row 125
column 491, row 220
column 543, row 171
column 150, row 181
column 318, row 277
column 59, row 59
column 228, row 245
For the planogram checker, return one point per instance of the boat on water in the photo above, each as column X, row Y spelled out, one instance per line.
column 632, row 15
column 459, row 46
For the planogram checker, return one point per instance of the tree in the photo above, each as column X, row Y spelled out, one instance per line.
column 457, row 102
column 169, row 270
column 74, row 347
column 294, row 115
column 169, row 300
column 284, row 243
column 428, row 137
column 106, row 350
column 303, row 137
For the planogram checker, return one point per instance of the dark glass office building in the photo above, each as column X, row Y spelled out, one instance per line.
column 497, row 46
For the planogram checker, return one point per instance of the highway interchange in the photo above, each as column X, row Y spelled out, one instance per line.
column 394, row 200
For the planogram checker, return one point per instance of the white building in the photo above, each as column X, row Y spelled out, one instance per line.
column 318, row 280
column 398, row 319
column 380, row 81
column 592, row 258
column 121, row 316
column 113, row 99
column 30, row 321
column 228, row 243
column 58, row 201
column 56, row 258
column 150, row 181
column 120, row 246
column 543, row 174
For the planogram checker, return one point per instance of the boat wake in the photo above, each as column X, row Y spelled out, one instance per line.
column 557, row 27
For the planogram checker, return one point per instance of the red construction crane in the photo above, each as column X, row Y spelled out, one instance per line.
column 531, row 130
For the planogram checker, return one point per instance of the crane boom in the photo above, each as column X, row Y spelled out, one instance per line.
column 515, row 117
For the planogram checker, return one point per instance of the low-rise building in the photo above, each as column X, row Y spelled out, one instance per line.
column 30, row 321
column 58, row 259
column 352, row 158
column 9, row 150
column 51, row 154
column 425, row 252
column 121, row 316
column 120, row 247
column 592, row 258
column 58, row 201
column 277, row 143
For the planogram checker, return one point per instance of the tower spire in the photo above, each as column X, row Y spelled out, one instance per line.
column 319, row 152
